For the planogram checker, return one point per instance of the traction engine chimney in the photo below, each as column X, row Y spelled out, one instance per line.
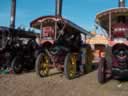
column 59, row 8
column 121, row 3
column 13, row 13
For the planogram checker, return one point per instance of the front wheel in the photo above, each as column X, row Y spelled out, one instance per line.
column 41, row 67
column 17, row 65
column 70, row 65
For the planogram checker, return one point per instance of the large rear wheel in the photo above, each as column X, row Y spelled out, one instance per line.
column 42, row 65
column 70, row 65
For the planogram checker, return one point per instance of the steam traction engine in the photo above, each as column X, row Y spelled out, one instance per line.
column 59, row 44
column 115, row 62
column 17, row 46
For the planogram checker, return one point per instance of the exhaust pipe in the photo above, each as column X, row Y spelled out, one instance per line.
column 13, row 14
column 121, row 3
column 58, row 8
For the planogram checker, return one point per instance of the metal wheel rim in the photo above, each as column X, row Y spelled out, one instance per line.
column 72, row 66
column 44, row 69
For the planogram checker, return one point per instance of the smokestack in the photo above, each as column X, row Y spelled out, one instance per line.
column 13, row 13
column 121, row 3
column 59, row 7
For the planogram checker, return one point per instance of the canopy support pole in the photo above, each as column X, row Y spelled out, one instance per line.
column 110, row 25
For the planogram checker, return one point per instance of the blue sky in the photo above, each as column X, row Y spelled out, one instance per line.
column 81, row 12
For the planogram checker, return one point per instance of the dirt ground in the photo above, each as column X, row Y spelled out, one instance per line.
column 29, row 84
